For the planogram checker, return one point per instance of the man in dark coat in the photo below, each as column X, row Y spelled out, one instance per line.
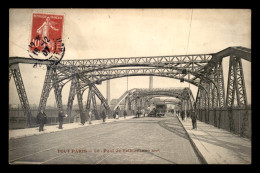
column 138, row 113
column 103, row 114
column 182, row 115
column 41, row 120
column 60, row 117
column 194, row 119
column 114, row 115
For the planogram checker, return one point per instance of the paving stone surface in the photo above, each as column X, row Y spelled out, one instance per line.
column 145, row 140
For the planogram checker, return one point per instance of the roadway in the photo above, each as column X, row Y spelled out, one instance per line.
column 146, row 140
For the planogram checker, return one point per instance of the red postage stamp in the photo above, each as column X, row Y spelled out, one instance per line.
column 46, row 37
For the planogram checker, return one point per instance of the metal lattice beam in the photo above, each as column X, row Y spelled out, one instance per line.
column 236, row 83
column 141, row 94
column 80, row 102
column 15, row 70
column 101, row 97
column 72, row 94
column 47, row 86
column 95, row 106
column 206, row 69
column 57, row 90
column 218, row 94
column 89, row 99
column 156, row 60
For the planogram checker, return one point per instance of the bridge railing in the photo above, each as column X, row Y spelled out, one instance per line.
column 17, row 119
column 236, row 119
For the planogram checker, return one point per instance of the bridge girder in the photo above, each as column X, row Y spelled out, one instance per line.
column 206, row 69
column 138, row 94
column 15, row 71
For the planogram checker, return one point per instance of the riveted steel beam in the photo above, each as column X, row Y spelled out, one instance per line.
column 15, row 70
column 95, row 106
column 80, row 102
column 57, row 90
column 72, row 93
column 47, row 86
column 236, row 84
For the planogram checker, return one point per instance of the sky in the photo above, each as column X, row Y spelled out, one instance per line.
column 115, row 33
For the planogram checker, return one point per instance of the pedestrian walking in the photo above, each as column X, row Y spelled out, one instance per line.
column 103, row 114
column 194, row 119
column 60, row 118
column 114, row 115
column 182, row 115
column 138, row 113
column 125, row 113
column 41, row 120
column 117, row 112
column 188, row 113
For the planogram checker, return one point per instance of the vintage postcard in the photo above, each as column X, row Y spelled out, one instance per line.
column 129, row 86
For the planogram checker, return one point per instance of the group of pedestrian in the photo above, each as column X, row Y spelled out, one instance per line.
column 190, row 114
column 102, row 115
column 41, row 119
column 115, row 115
column 138, row 113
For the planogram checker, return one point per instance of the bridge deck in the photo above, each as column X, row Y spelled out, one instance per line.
column 219, row 146
column 168, row 139
column 165, row 139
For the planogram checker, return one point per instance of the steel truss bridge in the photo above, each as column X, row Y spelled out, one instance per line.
column 202, row 70
column 141, row 98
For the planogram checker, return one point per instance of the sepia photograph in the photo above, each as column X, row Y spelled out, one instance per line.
column 114, row 86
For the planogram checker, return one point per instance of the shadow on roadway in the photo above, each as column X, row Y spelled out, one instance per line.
column 173, row 126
